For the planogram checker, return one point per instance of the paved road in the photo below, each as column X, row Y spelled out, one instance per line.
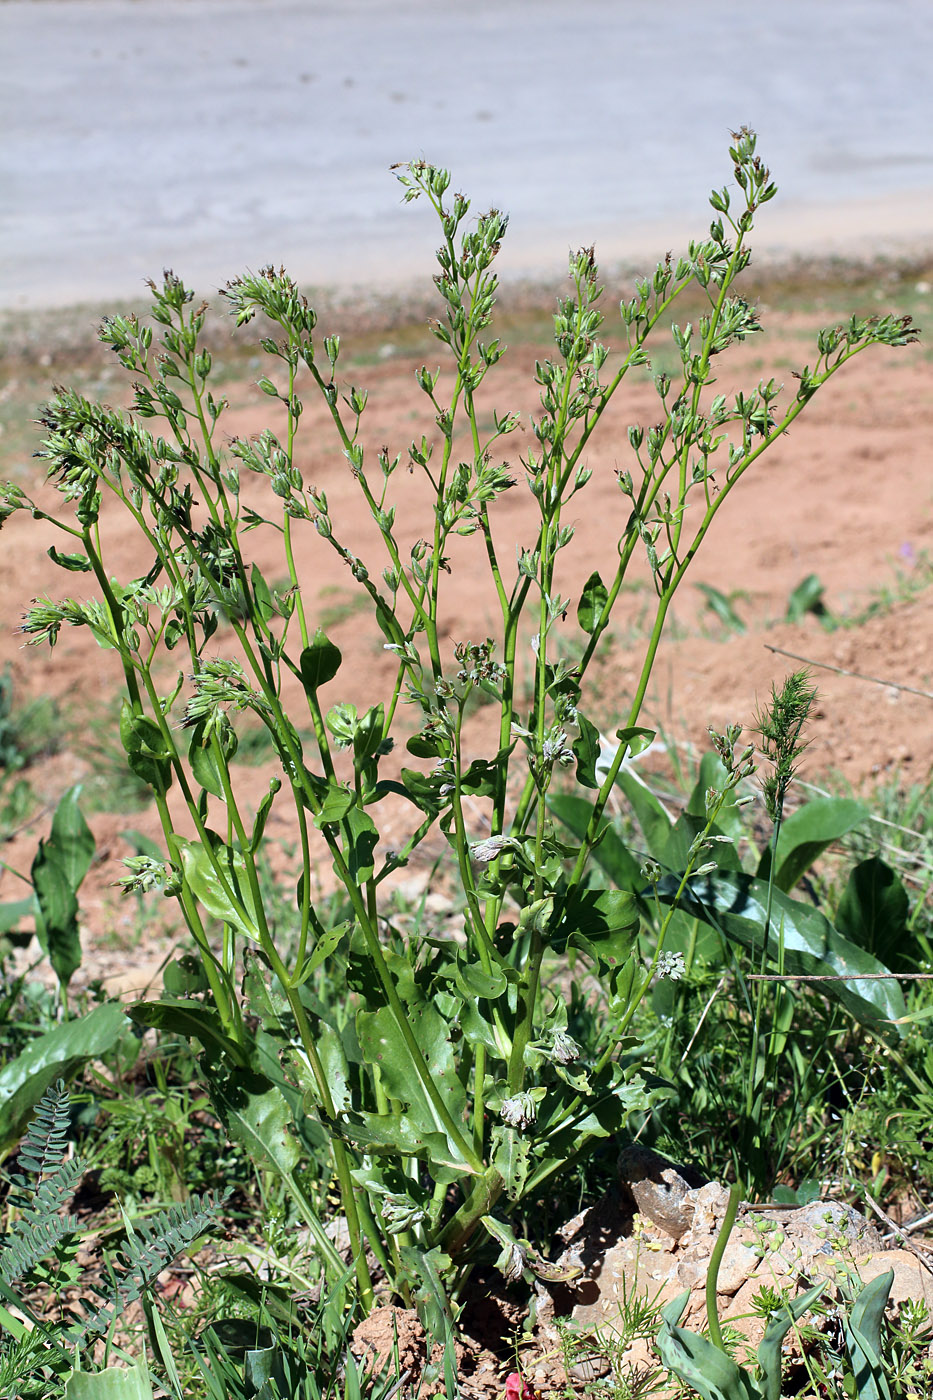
column 210, row 135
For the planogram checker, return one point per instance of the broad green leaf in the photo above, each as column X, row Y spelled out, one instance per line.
column 57, row 908
column 722, row 606
column 862, row 1331
column 72, row 838
column 201, row 872
column 205, row 761
column 769, row 1352
column 425, row 1269
column 256, row 1116
column 383, row 1044
column 806, row 597
column 113, row 1383
column 329, row 940
column 593, row 599
column 604, row 923
column 711, row 1373
column 653, row 818
column 399, row 1135
column 58, row 1054
column 471, row 981
column 805, row 835
column 367, row 736
column 478, row 1029
column 611, row 852
column 59, row 866
column 735, row 904
column 189, row 1019
column 319, row 662
column 511, row 1157
column 873, row 913
column 337, row 803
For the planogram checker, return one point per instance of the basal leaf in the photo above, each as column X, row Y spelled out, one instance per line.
column 873, row 913
column 58, row 1054
column 735, row 904
column 805, row 835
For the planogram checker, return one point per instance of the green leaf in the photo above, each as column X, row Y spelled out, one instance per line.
column 806, row 597
column 361, row 855
column 610, row 852
column 398, row 1134
column 769, row 1352
column 472, row 982
column 58, row 1054
column 319, row 662
column 59, row 866
column 425, row 1269
column 367, row 736
column 735, row 904
column 74, row 563
column 593, row 599
column 586, row 751
column 862, row 1331
column 113, row 1383
column 383, row 1044
column 653, row 818
column 147, row 753
column 72, row 839
column 711, row 1373
column 511, row 1157
column 262, row 814
column 337, row 803
column 805, row 835
column 189, row 1019
column 201, row 873
column 256, row 1116
column 873, row 913
column 265, row 603
column 205, row 764
column 604, row 923
column 722, row 605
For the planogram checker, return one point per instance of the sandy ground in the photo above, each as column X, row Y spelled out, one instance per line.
column 846, row 496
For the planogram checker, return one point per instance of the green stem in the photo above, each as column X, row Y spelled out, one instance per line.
column 712, row 1276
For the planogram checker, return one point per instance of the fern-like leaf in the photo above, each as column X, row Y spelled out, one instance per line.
column 150, row 1249
column 45, row 1145
column 41, row 1227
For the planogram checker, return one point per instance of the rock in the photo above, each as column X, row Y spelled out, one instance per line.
column 912, row 1281
column 658, row 1188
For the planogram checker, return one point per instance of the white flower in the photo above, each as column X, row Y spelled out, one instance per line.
column 671, row 965
column 520, row 1111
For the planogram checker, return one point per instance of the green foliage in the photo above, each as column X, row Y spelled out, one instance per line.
column 445, row 1086
column 33, row 1363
